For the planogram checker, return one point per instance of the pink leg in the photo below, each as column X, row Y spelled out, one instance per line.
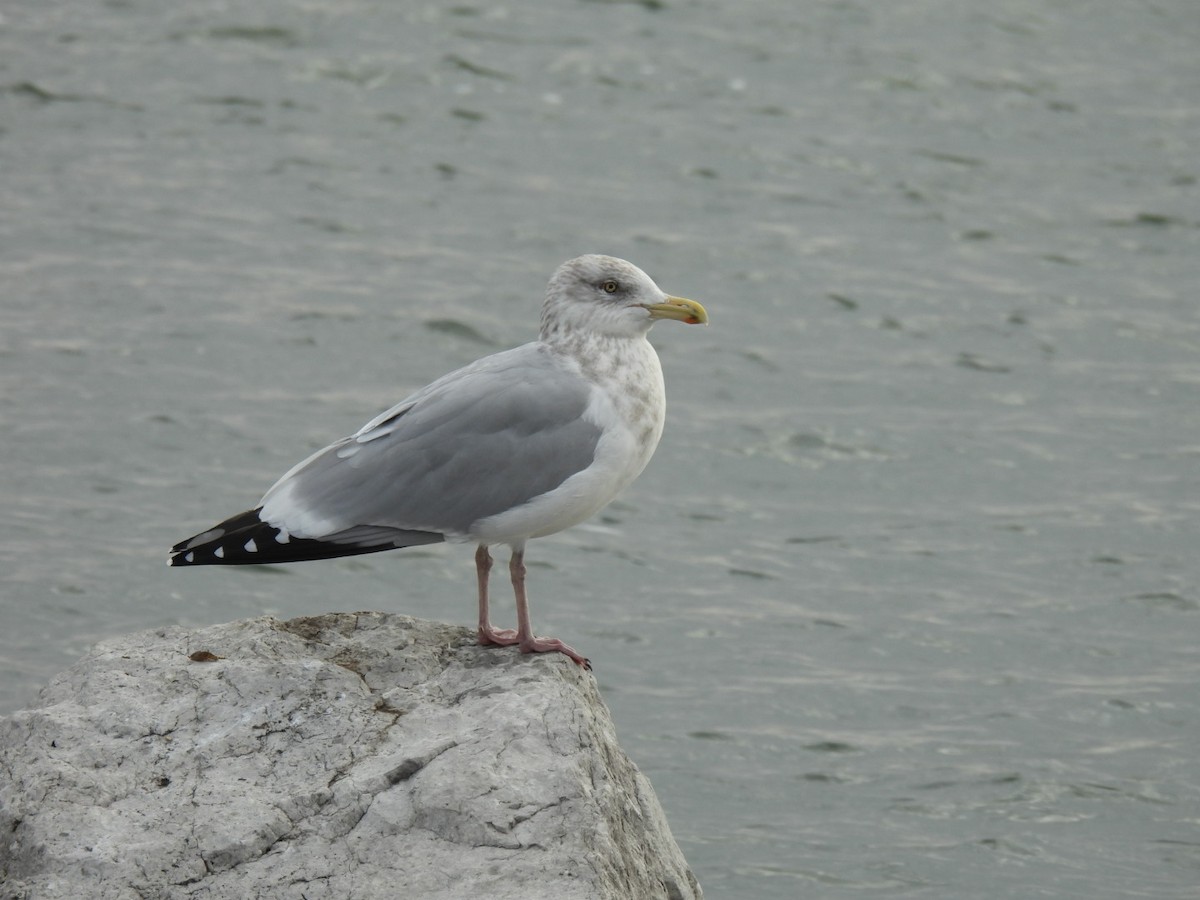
column 525, row 639
column 488, row 634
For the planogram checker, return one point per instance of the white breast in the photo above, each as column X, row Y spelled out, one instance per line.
column 628, row 404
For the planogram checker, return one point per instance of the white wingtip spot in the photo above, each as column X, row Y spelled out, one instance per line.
column 219, row 553
column 188, row 557
column 251, row 547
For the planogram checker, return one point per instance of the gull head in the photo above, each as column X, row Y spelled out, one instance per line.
column 603, row 295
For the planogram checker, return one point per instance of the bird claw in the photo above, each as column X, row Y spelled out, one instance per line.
column 507, row 637
column 498, row 637
column 546, row 645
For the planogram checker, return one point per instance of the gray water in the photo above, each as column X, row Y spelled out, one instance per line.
column 907, row 602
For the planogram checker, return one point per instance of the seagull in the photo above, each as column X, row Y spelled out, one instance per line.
column 517, row 445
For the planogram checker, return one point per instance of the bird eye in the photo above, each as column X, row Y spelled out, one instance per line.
column 610, row 287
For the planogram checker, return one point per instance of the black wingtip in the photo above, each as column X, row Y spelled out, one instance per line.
column 220, row 545
column 245, row 539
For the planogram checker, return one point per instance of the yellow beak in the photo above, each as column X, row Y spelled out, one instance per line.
column 681, row 310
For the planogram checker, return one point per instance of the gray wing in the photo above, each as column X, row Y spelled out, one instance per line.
column 479, row 441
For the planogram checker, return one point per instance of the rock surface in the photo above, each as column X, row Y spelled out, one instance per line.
column 354, row 755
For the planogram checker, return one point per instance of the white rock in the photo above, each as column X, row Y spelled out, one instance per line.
column 342, row 756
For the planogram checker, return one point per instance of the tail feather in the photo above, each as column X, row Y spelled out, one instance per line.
column 245, row 539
